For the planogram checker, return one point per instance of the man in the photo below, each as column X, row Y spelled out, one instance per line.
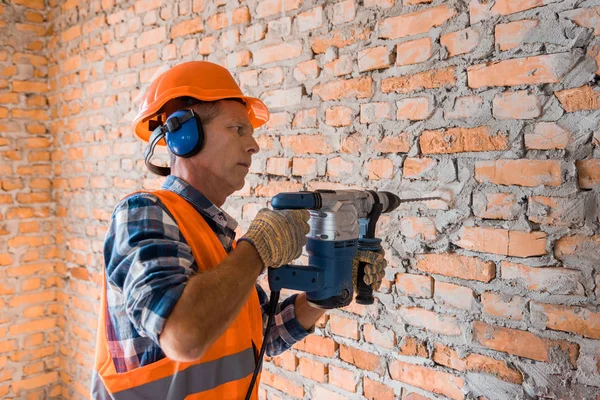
column 182, row 313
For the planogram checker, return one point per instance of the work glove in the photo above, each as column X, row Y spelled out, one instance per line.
column 278, row 236
column 374, row 270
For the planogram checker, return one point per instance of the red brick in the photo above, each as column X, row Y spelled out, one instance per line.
column 338, row 167
column 188, row 27
column 207, row 45
column 361, row 359
column 384, row 338
column 413, row 347
column 460, row 42
column 430, row 79
column 547, row 136
column 414, row 23
column 503, row 306
column 339, row 116
column 238, row 59
column 340, row 66
column 358, row 88
column 496, row 206
column 305, row 119
column 35, row 4
column 342, row 378
column 374, row 112
column 414, row 285
column 317, row 345
column 285, row 385
column 248, row 78
column 310, row 20
column 373, row 58
column 417, row 168
column 519, row 172
column 429, row 379
column 269, row 7
column 422, row 228
column 457, row 266
column 511, row 35
column 339, row 38
column 278, row 52
column 374, row 390
column 431, row 321
column 254, row 33
column 274, row 188
column 585, row 17
column 501, row 241
column 588, row 173
column 394, row 144
column 454, row 295
column 152, row 37
column 553, row 280
column 380, row 169
column 343, row 11
column 578, row 320
column 481, row 11
column 29, row 87
column 555, row 211
column 516, row 105
column 306, row 70
column 304, row 166
column 414, row 109
column 458, row 140
column 282, row 98
column 568, row 247
column 521, row 343
column 519, row 71
column 345, row 327
column 271, row 76
column 307, row 144
column 279, row 166
column 312, row 369
column 446, row 356
column 413, row 52
column 319, row 392
column 36, row 382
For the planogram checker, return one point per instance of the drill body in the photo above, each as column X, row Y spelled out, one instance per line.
column 341, row 222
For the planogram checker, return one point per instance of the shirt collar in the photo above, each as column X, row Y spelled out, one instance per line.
column 199, row 202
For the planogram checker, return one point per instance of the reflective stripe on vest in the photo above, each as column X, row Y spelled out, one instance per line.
column 195, row 379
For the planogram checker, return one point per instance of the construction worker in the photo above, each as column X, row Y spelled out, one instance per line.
column 181, row 312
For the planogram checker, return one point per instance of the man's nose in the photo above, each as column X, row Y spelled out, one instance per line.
column 253, row 147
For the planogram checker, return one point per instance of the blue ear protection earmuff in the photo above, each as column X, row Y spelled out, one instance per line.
column 184, row 135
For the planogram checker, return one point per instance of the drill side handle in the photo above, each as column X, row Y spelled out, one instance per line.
column 296, row 277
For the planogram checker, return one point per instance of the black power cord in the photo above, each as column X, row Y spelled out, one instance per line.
column 272, row 308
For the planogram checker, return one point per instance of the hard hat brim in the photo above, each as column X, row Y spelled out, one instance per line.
column 257, row 111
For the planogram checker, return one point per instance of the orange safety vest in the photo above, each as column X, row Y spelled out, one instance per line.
column 223, row 372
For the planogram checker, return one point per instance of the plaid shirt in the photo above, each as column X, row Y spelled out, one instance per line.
column 148, row 263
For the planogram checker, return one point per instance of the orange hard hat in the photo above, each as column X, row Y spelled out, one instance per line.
column 201, row 80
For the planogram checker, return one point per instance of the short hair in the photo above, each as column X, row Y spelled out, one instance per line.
column 206, row 110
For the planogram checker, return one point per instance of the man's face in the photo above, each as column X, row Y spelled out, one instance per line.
column 228, row 147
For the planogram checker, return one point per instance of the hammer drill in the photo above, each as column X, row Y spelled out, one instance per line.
column 341, row 222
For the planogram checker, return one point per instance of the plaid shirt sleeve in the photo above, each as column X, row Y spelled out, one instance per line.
column 286, row 330
column 148, row 262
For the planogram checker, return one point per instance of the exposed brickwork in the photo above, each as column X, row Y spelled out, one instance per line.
column 491, row 105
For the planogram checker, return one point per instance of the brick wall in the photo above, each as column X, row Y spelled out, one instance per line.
column 30, row 333
column 492, row 106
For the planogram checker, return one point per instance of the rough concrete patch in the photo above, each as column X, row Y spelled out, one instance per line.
column 493, row 388
column 588, row 364
column 583, row 71
column 552, row 110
